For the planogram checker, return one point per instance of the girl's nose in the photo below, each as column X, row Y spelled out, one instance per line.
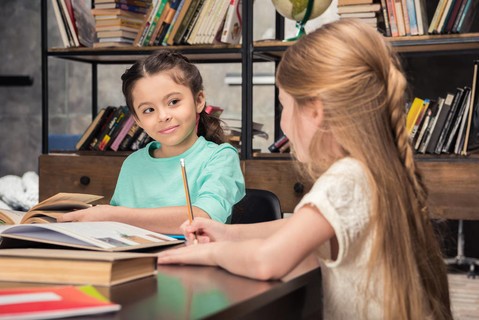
column 163, row 115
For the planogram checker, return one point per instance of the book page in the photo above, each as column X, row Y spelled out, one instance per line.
column 10, row 216
column 98, row 234
column 67, row 201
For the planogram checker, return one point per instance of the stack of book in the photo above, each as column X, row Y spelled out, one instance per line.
column 174, row 22
column 233, row 128
column 364, row 10
column 447, row 124
column 117, row 22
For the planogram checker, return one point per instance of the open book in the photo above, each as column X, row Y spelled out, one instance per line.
column 96, row 235
column 48, row 210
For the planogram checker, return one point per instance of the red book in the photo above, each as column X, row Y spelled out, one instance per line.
column 52, row 302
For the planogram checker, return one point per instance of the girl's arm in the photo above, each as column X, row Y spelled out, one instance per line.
column 207, row 230
column 270, row 258
column 163, row 220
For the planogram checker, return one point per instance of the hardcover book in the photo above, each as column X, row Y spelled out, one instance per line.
column 458, row 97
column 439, row 124
column 53, row 302
column 74, row 266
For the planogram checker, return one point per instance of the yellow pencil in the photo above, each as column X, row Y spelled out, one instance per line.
column 187, row 193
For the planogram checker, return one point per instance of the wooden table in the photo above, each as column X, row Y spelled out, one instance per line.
column 196, row 292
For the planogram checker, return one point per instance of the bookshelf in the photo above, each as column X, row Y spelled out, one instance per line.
column 453, row 181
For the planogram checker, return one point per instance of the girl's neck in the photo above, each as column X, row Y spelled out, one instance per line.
column 173, row 151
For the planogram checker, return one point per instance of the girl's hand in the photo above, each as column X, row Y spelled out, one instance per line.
column 206, row 230
column 202, row 254
column 96, row 213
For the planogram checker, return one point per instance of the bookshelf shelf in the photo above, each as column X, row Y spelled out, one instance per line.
column 198, row 54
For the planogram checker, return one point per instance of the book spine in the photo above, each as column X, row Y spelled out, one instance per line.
column 392, row 18
column 387, row 26
column 128, row 7
column 423, row 129
column 412, row 17
column 450, row 116
column 437, row 16
column 172, row 24
column 456, row 121
column 160, row 5
column 123, row 132
column 277, row 144
column 459, row 16
column 132, row 134
column 186, row 21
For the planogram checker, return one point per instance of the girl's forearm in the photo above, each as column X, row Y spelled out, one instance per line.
column 163, row 220
column 255, row 230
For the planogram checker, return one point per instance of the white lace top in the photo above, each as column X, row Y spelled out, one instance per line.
column 343, row 196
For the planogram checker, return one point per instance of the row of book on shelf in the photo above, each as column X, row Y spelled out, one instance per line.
column 113, row 23
column 448, row 124
column 115, row 129
column 445, row 125
column 396, row 18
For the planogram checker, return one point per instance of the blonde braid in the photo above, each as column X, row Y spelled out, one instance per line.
column 396, row 82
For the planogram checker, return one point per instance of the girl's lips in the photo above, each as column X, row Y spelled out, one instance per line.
column 168, row 130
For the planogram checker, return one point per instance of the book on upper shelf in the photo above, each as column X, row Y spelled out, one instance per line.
column 85, row 23
column 126, row 7
column 63, row 266
column 53, row 302
column 232, row 27
column 66, row 6
column 421, row 16
column 352, row 2
column 185, row 22
column 373, row 7
column 180, row 15
column 61, row 24
column 440, row 8
column 159, row 15
column 95, row 235
column 49, row 209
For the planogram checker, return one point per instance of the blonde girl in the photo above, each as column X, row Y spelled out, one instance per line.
column 366, row 218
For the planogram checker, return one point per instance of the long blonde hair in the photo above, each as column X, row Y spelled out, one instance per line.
column 359, row 80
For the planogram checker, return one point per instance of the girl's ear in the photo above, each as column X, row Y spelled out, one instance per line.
column 315, row 112
column 200, row 101
column 137, row 121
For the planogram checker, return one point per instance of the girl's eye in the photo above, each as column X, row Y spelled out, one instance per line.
column 147, row 110
column 173, row 102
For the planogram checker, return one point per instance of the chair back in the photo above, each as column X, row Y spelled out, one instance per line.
column 257, row 206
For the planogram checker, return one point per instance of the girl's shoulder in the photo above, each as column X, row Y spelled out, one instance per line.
column 346, row 166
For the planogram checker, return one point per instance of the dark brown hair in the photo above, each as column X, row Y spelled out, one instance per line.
column 187, row 74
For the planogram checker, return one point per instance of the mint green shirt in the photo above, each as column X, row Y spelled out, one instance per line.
column 215, row 179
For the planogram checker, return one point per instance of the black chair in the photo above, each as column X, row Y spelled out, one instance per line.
column 257, row 206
